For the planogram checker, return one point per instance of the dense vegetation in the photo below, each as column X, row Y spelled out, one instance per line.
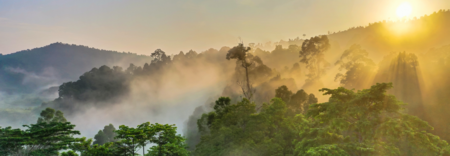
column 275, row 102
column 53, row 133
column 366, row 122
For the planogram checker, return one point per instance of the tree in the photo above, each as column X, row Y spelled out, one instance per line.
column 160, row 56
column 225, row 127
column 49, row 138
column 283, row 93
column 108, row 134
column 312, row 54
column 359, row 68
column 237, row 129
column 131, row 138
column 50, row 115
column 168, row 143
column 100, row 138
column 298, row 102
column 12, row 140
column 240, row 53
column 51, row 134
column 367, row 122
column 148, row 132
column 164, row 136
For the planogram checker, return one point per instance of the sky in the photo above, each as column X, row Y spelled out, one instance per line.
column 141, row 26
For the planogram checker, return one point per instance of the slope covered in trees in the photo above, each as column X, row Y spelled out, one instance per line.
column 268, row 101
column 29, row 70
column 411, row 35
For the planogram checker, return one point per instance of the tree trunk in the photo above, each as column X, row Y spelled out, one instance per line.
column 143, row 150
column 248, row 81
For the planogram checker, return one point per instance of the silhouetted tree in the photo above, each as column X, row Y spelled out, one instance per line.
column 312, row 54
column 359, row 68
column 240, row 53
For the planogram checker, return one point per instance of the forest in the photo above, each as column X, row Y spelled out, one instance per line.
column 317, row 96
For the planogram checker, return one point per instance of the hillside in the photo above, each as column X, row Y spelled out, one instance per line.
column 416, row 35
column 40, row 68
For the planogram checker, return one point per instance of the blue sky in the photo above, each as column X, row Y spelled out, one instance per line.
column 141, row 26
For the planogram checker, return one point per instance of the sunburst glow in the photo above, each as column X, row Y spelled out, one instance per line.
column 404, row 10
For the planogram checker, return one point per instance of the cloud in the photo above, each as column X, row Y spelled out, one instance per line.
column 46, row 79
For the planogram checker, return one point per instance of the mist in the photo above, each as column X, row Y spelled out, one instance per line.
column 251, row 98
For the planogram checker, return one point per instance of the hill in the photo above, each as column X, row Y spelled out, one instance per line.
column 40, row 68
column 415, row 35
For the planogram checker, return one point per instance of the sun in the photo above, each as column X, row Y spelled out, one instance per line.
column 404, row 10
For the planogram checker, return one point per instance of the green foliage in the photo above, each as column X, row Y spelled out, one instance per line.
column 38, row 139
column 164, row 136
column 48, row 138
column 51, row 134
column 100, row 138
column 69, row 153
column 297, row 103
column 367, row 122
column 86, row 149
column 168, row 143
column 106, row 135
column 11, row 140
column 50, row 115
column 99, row 84
column 130, row 137
column 237, row 129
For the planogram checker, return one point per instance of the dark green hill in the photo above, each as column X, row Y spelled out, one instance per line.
column 30, row 70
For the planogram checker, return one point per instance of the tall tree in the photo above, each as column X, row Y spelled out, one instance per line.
column 131, row 138
column 168, row 143
column 313, row 55
column 240, row 53
column 148, row 132
column 360, row 68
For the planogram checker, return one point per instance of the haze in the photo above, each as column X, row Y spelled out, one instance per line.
column 225, row 77
column 175, row 25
